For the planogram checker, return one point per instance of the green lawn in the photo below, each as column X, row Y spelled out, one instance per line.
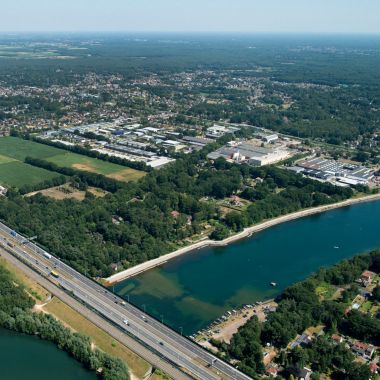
column 13, row 152
column 18, row 174
column 5, row 159
column 366, row 306
column 325, row 290
column 81, row 162
column 19, row 149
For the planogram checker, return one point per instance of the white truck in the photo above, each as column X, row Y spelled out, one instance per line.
column 47, row 255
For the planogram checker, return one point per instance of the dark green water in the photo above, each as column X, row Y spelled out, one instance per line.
column 197, row 288
column 25, row 357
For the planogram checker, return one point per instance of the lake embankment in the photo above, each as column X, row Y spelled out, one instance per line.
column 247, row 232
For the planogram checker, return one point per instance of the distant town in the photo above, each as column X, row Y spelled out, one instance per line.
column 121, row 157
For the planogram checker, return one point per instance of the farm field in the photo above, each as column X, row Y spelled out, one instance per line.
column 17, row 174
column 80, row 162
column 18, row 149
column 14, row 172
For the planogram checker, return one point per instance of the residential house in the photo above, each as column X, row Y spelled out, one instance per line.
column 271, row 371
column 365, row 350
column 305, row 374
column 336, row 338
column 367, row 277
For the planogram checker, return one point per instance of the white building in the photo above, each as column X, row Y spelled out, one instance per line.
column 270, row 138
column 250, row 153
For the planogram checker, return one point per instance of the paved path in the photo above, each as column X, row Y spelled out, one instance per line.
column 121, row 276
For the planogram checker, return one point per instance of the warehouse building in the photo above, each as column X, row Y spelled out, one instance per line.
column 250, row 153
column 343, row 172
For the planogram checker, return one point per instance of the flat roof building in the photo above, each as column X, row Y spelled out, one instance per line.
column 345, row 172
column 250, row 153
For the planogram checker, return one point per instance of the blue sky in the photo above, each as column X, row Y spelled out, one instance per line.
column 316, row 16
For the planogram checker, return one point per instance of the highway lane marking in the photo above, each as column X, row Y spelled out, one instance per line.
column 180, row 344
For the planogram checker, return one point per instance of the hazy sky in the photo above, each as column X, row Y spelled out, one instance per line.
column 328, row 16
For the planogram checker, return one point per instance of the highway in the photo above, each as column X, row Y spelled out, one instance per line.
column 167, row 343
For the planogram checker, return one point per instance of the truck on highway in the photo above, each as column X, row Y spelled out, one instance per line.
column 47, row 255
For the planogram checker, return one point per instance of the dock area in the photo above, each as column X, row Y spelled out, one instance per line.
column 229, row 323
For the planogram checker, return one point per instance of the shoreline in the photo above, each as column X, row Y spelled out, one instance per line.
column 247, row 232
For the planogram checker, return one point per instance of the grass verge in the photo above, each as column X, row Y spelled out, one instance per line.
column 39, row 293
column 101, row 339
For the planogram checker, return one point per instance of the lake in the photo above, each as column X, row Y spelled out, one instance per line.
column 28, row 357
column 192, row 290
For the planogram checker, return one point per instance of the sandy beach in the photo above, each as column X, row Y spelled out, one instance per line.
column 118, row 277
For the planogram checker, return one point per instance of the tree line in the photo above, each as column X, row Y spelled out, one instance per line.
column 84, row 151
column 16, row 314
column 85, row 235
column 84, row 178
column 55, row 181
column 299, row 307
column 137, row 165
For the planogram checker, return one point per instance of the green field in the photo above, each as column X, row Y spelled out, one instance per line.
column 17, row 174
column 19, row 149
column 77, row 161
column 14, row 172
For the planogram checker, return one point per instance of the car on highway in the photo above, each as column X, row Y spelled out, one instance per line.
column 126, row 322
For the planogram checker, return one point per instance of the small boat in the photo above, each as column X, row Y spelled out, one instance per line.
column 336, row 247
column 273, row 284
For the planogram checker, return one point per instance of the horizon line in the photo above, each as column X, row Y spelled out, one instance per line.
column 355, row 33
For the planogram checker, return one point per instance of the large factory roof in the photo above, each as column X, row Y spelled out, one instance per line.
column 337, row 168
column 245, row 149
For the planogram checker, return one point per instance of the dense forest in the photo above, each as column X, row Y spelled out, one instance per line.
column 16, row 314
column 84, row 233
column 299, row 307
column 308, row 57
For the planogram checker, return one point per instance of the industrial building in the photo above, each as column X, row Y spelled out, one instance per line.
column 197, row 140
column 343, row 172
column 250, row 153
column 218, row 131
column 270, row 139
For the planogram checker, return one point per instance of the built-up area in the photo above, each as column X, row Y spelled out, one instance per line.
column 158, row 144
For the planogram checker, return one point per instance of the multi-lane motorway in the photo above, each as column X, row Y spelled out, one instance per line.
column 160, row 339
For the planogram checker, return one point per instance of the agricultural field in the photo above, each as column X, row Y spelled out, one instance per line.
column 80, row 162
column 18, row 149
column 14, row 172
column 17, row 174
